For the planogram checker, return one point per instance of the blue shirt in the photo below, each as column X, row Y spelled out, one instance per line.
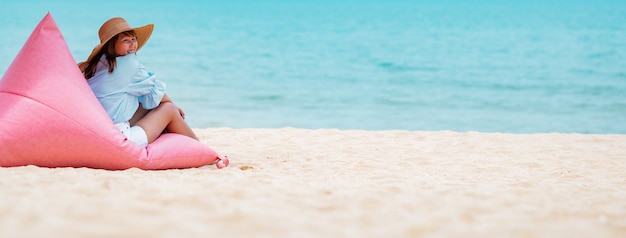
column 121, row 92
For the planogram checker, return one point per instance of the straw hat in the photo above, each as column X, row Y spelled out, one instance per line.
column 118, row 25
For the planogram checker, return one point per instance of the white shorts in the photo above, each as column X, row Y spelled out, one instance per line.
column 135, row 134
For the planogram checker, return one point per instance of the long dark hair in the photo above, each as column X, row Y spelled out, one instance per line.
column 109, row 50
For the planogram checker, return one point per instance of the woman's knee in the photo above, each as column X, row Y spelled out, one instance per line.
column 169, row 107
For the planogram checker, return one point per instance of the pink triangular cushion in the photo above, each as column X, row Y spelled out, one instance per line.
column 49, row 117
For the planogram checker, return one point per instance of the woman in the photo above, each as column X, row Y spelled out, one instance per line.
column 133, row 97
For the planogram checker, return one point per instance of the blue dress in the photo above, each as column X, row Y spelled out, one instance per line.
column 121, row 92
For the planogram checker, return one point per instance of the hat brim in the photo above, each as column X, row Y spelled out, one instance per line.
column 143, row 34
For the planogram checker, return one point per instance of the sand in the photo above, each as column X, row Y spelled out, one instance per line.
column 335, row 183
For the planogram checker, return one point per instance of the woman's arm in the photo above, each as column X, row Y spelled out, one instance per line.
column 165, row 98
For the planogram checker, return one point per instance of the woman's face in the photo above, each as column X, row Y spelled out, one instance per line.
column 126, row 44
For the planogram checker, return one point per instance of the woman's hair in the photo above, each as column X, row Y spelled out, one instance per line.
column 109, row 51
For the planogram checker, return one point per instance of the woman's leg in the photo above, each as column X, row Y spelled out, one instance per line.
column 165, row 116
column 140, row 113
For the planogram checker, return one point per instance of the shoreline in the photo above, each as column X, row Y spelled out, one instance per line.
column 335, row 183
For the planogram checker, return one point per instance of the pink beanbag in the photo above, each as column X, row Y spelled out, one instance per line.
column 49, row 117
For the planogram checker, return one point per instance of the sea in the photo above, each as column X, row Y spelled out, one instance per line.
column 460, row 65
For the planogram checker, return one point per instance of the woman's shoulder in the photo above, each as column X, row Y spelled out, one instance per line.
column 127, row 62
column 129, row 58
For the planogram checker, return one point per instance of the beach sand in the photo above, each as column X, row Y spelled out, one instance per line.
column 339, row 183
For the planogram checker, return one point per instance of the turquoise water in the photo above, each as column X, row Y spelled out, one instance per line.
column 490, row 66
